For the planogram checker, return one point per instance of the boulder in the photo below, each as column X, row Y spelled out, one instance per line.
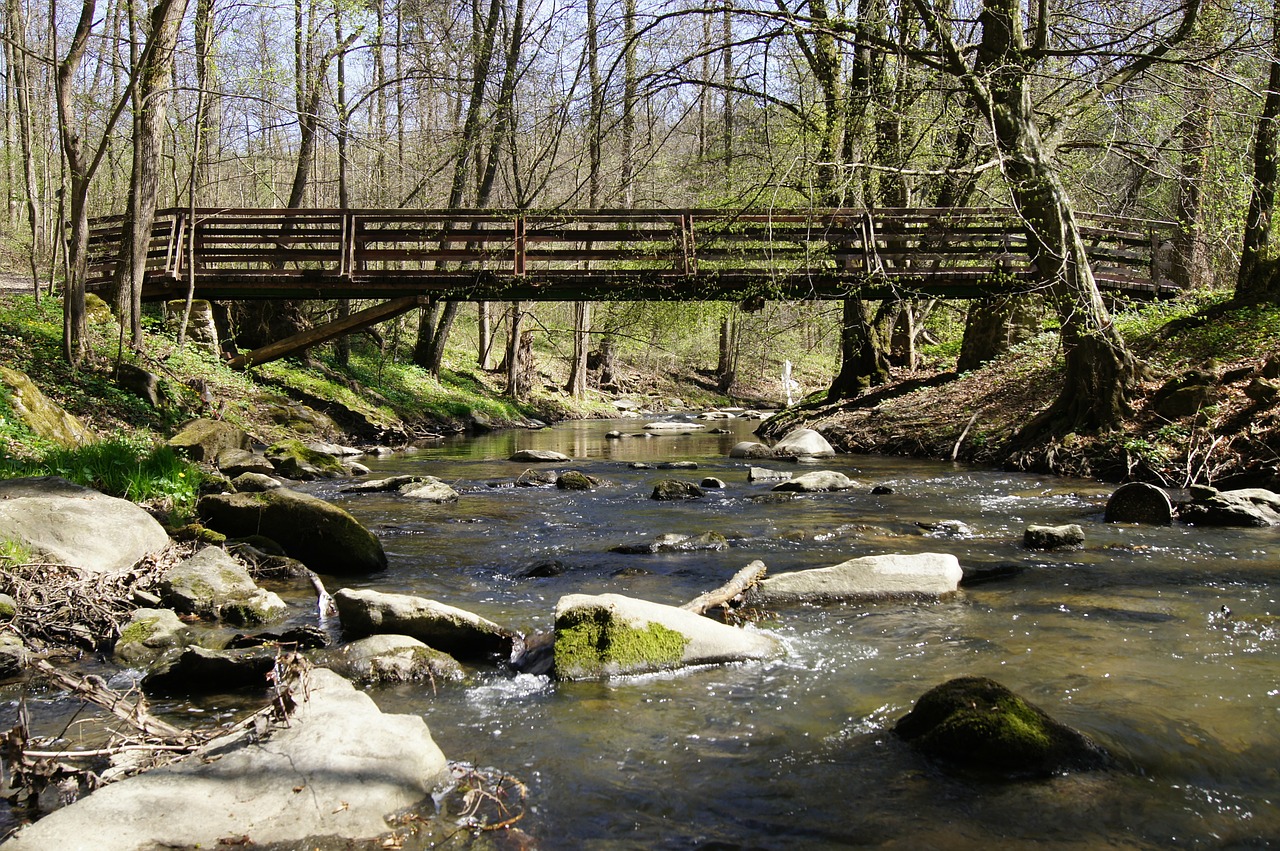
column 611, row 635
column 1053, row 537
column 764, row 474
column 337, row 450
column 1243, row 507
column 819, row 481
column 979, row 724
column 199, row 670
column 674, row 489
column 869, row 577
column 97, row 311
column 340, row 768
column 676, row 543
column 323, row 536
column 39, row 413
column 141, row 383
column 212, row 584
column 539, row 456
column 149, row 634
column 433, row 490
column 294, row 460
column 678, row 465
column 804, row 443
column 65, row 523
column 750, row 449
column 575, row 480
column 205, row 440
column 712, row 483
column 459, row 633
column 13, row 656
column 393, row 659
column 1139, row 502
column 1264, row 391
column 302, row 419
column 234, row 462
column 254, row 483
column 947, row 529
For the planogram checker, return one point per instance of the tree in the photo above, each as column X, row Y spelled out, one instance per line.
column 1257, row 280
column 1100, row 372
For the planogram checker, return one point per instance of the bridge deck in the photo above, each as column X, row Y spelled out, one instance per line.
column 601, row 255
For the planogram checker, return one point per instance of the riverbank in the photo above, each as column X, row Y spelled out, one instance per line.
column 1205, row 411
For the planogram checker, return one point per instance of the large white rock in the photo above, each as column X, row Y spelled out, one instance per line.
column 805, row 443
column 65, row 523
column 339, row 769
column 869, row 577
column 672, row 425
column 609, row 635
column 819, row 481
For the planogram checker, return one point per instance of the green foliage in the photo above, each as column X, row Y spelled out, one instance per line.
column 130, row 468
column 14, row 553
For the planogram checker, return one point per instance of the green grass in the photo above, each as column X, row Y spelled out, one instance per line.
column 130, row 468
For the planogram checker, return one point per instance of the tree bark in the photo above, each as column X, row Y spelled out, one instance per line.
column 151, row 108
column 1256, row 280
column 21, row 83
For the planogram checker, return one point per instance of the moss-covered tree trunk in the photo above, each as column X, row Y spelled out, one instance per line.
column 1257, row 280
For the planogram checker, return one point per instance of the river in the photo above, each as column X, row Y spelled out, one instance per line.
column 1124, row 639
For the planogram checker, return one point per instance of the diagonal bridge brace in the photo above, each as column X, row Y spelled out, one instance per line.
column 357, row 321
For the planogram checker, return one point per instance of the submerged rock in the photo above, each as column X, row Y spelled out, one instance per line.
column 394, row 659
column 457, row 632
column 539, row 456
column 804, row 443
column 676, row 543
column 325, row 537
column 869, row 577
column 1139, row 502
column 1053, row 537
column 434, row 491
column 674, row 489
column 340, row 768
column 575, row 480
column 979, row 724
column 611, row 635
column 65, row 523
column 199, row 670
column 819, row 481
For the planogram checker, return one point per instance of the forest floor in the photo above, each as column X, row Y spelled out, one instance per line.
column 1229, row 436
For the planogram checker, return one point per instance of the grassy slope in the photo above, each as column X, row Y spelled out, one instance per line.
column 926, row 413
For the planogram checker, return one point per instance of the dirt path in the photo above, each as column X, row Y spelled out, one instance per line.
column 11, row 282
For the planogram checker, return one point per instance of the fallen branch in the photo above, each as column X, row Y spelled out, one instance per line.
column 730, row 591
column 96, row 692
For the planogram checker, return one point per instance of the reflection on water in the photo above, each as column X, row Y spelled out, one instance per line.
column 1124, row 639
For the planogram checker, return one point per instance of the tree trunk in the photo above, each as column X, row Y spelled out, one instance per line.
column 727, row 365
column 863, row 362
column 21, row 84
column 485, row 325
column 151, row 107
column 581, row 344
column 1256, row 280
column 515, row 367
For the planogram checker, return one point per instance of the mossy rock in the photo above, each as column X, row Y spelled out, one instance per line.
column 42, row 415
column 592, row 642
column 669, row 490
column 292, row 459
column 212, row 584
column 977, row 723
column 575, row 480
column 394, row 659
column 149, row 634
column 205, row 439
column 323, row 536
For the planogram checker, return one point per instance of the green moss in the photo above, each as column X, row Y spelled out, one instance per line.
column 137, row 632
column 592, row 642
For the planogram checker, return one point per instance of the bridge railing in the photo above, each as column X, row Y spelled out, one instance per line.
column 906, row 246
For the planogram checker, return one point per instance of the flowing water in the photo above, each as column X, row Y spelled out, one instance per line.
column 1124, row 639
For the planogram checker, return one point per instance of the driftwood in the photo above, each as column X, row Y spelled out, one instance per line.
column 96, row 692
column 732, row 590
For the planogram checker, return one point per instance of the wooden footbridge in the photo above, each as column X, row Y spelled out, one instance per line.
column 614, row 255
column 409, row 256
